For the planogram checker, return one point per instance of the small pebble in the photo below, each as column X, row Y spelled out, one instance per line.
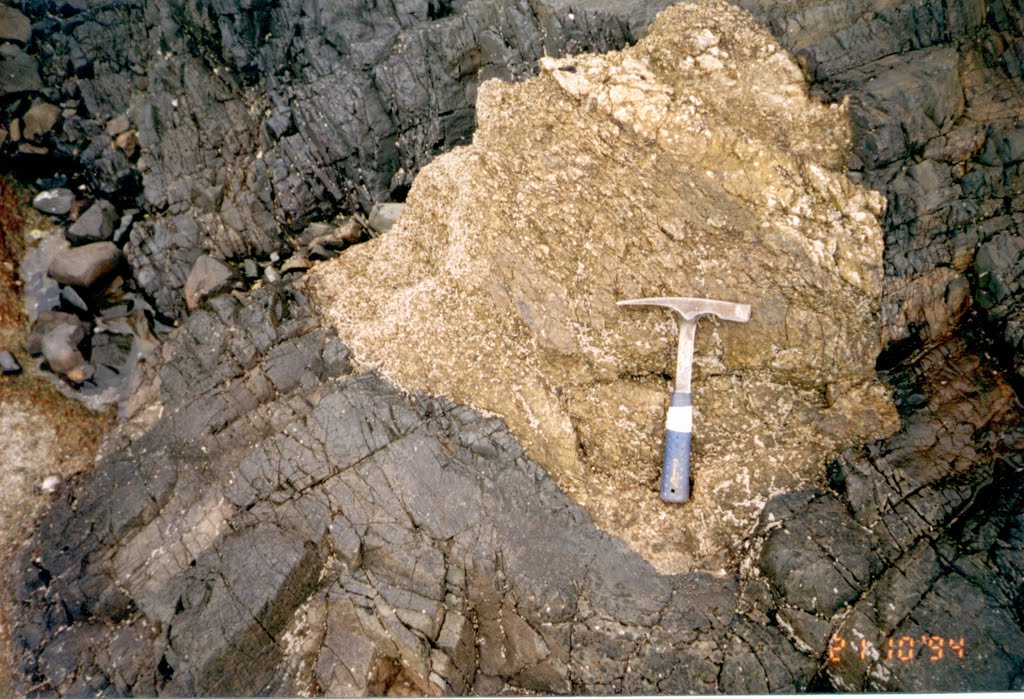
column 250, row 269
column 124, row 227
column 85, row 266
column 50, row 484
column 54, row 201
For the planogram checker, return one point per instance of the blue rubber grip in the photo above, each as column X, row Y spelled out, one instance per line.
column 675, row 470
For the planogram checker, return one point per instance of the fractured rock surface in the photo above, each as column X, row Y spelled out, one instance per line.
column 252, row 122
column 915, row 580
column 692, row 164
column 936, row 127
column 276, row 522
column 919, row 534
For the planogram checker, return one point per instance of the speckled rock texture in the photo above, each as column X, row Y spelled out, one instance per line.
column 692, row 164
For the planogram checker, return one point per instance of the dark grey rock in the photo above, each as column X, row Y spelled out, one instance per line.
column 9, row 363
column 54, row 201
column 96, row 223
column 110, row 168
column 208, row 276
column 73, row 300
column 815, row 571
column 86, row 266
column 998, row 266
column 14, row 26
column 19, row 73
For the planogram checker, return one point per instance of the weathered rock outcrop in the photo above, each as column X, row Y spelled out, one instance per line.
column 275, row 522
column 307, row 542
column 692, row 164
column 253, row 122
column 935, row 98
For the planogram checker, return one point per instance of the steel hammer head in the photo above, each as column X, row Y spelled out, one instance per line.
column 690, row 308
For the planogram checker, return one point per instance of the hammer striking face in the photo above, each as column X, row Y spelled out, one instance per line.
column 675, row 470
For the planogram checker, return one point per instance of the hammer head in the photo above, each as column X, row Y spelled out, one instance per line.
column 690, row 308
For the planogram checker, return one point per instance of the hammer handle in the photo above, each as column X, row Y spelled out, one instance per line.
column 675, row 469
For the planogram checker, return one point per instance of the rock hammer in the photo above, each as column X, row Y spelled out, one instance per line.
column 675, row 469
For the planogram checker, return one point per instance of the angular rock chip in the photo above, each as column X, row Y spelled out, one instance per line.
column 118, row 125
column 61, row 350
column 208, row 276
column 19, row 72
column 692, row 164
column 39, row 119
column 96, row 223
column 54, row 201
column 384, row 216
column 85, row 266
column 47, row 321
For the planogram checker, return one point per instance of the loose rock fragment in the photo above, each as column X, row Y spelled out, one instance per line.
column 128, row 142
column 44, row 323
column 85, row 266
column 19, row 72
column 62, row 353
column 124, row 227
column 208, row 276
column 39, row 119
column 71, row 298
column 118, row 125
column 295, row 263
column 250, row 268
column 95, row 224
column 54, row 201
column 384, row 215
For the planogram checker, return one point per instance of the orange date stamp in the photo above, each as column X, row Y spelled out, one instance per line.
column 904, row 649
